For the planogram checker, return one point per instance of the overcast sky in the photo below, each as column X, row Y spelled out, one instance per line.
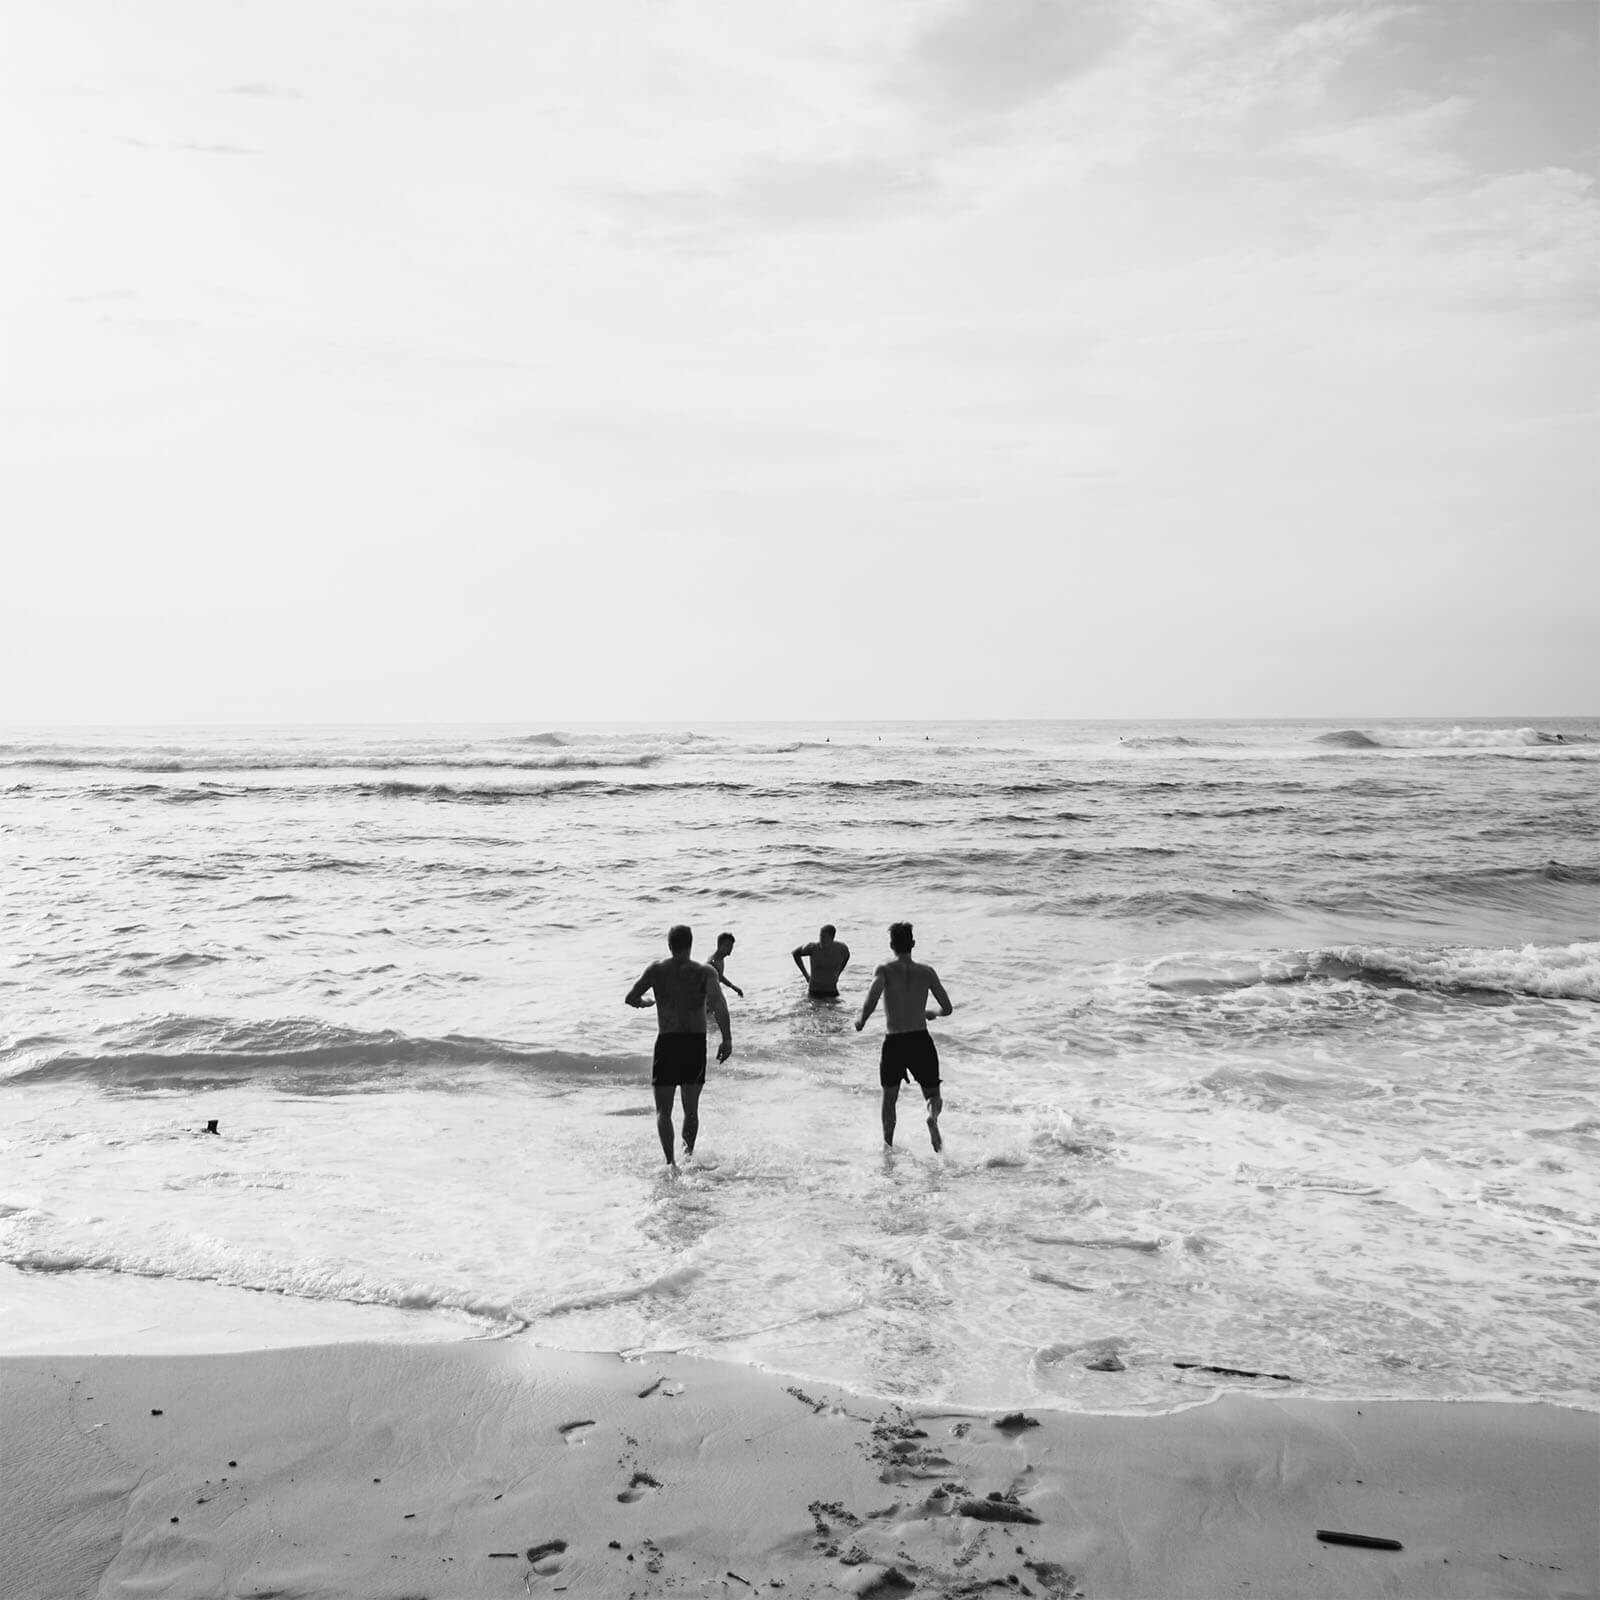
column 695, row 359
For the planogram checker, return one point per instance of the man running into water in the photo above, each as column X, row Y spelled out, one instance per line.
column 829, row 957
column 908, row 1048
column 684, row 992
column 723, row 951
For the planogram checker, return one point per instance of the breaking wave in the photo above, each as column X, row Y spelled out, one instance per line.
column 1457, row 738
column 1547, row 972
column 291, row 762
column 199, row 1052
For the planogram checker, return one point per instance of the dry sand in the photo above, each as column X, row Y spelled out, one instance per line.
column 481, row 1470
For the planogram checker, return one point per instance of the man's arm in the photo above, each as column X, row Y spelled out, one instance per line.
column 844, row 956
column 870, row 1004
column 635, row 996
column 798, row 952
column 719, row 1010
column 728, row 983
column 936, row 989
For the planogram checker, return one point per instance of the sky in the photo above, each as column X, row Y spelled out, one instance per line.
column 381, row 360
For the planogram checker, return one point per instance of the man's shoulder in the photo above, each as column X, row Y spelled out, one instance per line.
column 809, row 949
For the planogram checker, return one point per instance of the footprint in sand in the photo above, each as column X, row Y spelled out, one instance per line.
column 577, row 1432
column 662, row 1387
column 639, row 1486
column 545, row 1559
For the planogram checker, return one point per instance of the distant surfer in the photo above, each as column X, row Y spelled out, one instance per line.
column 829, row 956
column 908, row 1047
column 685, row 991
column 723, row 951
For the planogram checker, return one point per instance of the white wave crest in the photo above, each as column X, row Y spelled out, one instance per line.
column 1552, row 972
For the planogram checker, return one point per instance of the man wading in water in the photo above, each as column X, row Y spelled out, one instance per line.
column 908, row 1048
column 684, row 992
column 829, row 957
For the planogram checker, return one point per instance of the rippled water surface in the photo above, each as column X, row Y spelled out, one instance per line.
column 1275, row 1049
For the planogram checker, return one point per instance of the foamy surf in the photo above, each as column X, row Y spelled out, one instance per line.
column 1269, row 1056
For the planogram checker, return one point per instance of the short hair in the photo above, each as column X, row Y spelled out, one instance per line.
column 900, row 939
column 828, row 930
column 679, row 938
column 728, row 936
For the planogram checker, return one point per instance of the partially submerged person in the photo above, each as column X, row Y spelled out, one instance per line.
column 908, row 1047
column 723, row 951
column 829, row 956
column 685, row 991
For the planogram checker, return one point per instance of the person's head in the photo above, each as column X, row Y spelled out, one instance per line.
column 679, row 940
column 900, row 940
column 724, row 943
column 828, row 931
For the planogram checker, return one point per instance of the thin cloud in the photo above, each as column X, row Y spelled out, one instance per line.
column 982, row 57
column 778, row 194
column 264, row 91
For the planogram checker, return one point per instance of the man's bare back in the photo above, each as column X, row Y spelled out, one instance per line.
column 829, row 957
column 684, row 991
column 905, row 986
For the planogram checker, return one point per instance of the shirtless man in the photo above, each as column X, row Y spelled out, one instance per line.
column 829, row 957
column 723, row 951
column 684, row 992
column 908, row 1048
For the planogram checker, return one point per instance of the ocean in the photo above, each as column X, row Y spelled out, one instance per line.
column 1275, row 1050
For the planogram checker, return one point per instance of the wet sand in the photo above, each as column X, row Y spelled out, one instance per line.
column 486, row 1469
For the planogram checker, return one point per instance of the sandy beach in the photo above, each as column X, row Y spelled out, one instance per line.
column 497, row 1468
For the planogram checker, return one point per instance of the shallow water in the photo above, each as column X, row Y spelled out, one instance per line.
column 1274, row 1049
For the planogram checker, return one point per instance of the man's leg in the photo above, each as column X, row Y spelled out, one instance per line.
column 935, row 1106
column 891, row 1093
column 664, row 1094
column 691, row 1115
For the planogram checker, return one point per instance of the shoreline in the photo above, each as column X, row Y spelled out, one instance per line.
column 457, row 1468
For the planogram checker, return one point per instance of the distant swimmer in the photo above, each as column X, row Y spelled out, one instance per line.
column 828, row 957
column 685, row 991
column 723, row 951
column 908, row 1047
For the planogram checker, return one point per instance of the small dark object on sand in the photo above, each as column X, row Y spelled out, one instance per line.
column 551, row 1547
column 211, row 1126
column 502, row 1555
column 155, row 1413
column 1015, row 1422
column 737, row 1579
column 1365, row 1540
column 995, row 1511
column 1105, row 1364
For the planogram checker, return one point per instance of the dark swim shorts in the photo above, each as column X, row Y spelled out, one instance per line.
column 680, row 1058
column 913, row 1052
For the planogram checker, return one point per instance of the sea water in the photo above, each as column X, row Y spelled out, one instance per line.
column 1275, row 1049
